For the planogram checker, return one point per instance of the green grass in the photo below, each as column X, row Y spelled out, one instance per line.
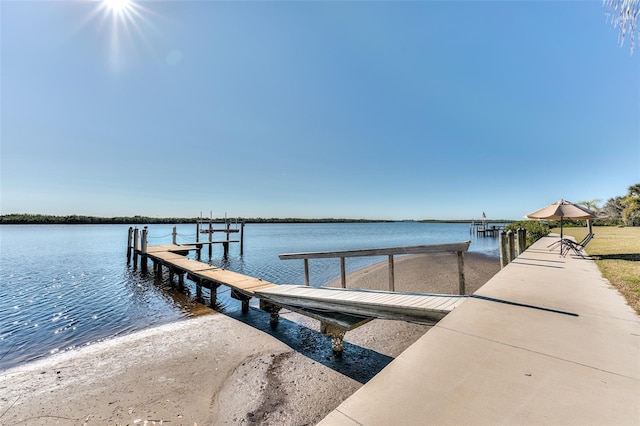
column 616, row 251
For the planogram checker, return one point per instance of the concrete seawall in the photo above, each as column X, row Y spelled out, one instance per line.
column 564, row 350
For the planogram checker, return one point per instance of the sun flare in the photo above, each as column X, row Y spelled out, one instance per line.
column 126, row 23
column 118, row 6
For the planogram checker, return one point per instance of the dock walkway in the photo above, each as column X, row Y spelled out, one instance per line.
column 339, row 310
column 571, row 357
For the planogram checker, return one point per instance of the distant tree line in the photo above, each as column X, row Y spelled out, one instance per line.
column 42, row 219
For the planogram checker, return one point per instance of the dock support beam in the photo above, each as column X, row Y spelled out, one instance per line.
column 461, row 282
column 198, row 282
column 180, row 280
column 243, row 298
column 274, row 311
column 306, row 272
column 213, row 297
column 392, row 280
column 336, row 335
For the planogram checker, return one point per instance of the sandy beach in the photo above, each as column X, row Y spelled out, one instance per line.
column 227, row 369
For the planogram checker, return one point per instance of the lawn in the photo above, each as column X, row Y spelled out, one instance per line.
column 616, row 251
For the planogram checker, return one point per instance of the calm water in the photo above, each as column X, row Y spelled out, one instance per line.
column 66, row 286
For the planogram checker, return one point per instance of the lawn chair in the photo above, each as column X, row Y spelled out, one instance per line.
column 576, row 247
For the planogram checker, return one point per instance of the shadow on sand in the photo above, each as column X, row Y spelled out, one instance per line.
column 356, row 362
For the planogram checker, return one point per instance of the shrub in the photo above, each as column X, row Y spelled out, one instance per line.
column 535, row 229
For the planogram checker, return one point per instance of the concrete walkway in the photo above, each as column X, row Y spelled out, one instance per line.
column 574, row 361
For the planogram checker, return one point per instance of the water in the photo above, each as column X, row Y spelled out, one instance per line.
column 66, row 286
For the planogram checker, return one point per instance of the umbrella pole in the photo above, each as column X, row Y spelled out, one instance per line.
column 560, row 235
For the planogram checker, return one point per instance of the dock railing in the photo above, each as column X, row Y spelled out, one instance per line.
column 458, row 248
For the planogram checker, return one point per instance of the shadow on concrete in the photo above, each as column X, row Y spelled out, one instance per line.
column 356, row 362
column 535, row 264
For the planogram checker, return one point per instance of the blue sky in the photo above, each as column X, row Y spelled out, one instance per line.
column 379, row 110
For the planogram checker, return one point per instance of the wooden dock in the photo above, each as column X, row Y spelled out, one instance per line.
column 415, row 307
column 338, row 309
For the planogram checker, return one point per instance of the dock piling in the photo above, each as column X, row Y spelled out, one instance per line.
column 213, row 297
column 135, row 247
column 143, row 250
column 504, row 254
column 511, row 246
column 129, row 245
column 242, row 238
column 210, row 239
column 522, row 240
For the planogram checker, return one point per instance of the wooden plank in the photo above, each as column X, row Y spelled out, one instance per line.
column 165, row 255
column 432, row 248
column 164, row 248
column 189, row 265
column 235, row 280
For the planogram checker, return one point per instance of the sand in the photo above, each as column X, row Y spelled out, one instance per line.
column 227, row 369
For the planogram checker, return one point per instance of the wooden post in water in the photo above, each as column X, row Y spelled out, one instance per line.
column 226, row 245
column 392, row 280
column 504, row 256
column 180, row 280
column 511, row 246
column 213, row 295
column 135, row 247
column 129, row 245
column 143, row 250
column 461, row 283
column 210, row 239
column 242, row 238
column 343, row 273
column 198, row 282
column 197, row 231
column 174, row 235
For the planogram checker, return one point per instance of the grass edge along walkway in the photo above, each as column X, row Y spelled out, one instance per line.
column 616, row 252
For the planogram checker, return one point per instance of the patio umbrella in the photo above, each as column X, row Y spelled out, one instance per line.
column 563, row 209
